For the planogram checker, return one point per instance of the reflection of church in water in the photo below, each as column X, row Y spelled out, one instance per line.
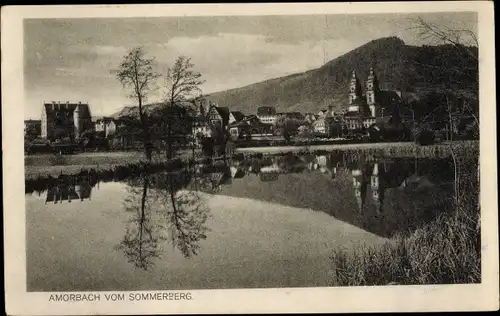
column 373, row 179
column 69, row 191
column 368, row 178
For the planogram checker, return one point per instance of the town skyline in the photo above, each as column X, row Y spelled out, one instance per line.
column 78, row 64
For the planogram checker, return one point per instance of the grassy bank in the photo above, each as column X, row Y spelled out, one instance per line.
column 406, row 149
column 445, row 251
column 44, row 165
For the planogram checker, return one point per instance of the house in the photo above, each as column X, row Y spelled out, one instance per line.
column 235, row 116
column 250, row 125
column 105, row 125
column 319, row 126
column 257, row 126
column 100, row 124
column 267, row 114
column 65, row 120
column 111, row 128
column 200, row 126
column 322, row 112
column 327, row 125
column 239, row 129
column 310, row 118
column 218, row 116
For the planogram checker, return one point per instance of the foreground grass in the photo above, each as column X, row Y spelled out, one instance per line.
column 443, row 252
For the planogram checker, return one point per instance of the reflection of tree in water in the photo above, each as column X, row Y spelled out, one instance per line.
column 186, row 220
column 179, row 216
column 139, row 243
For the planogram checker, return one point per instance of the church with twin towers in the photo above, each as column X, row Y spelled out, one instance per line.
column 365, row 109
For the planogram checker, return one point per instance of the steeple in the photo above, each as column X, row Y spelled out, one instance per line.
column 372, row 88
column 354, row 88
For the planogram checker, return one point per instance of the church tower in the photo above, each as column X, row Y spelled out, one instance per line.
column 354, row 92
column 372, row 89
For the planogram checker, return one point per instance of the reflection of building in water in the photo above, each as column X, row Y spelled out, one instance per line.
column 369, row 178
column 337, row 163
column 237, row 172
column 270, row 172
column 378, row 187
column 377, row 178
column 273, row 168
column 67, row 191
column 323, row 163
column 359, row 183
column 217, row 178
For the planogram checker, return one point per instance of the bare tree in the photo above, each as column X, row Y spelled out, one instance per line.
column 467, row 44
column 136, row 73
column 439, row 34
column 182, row 84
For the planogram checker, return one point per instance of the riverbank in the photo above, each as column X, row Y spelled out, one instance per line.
column 50, row 165
column 402, row 149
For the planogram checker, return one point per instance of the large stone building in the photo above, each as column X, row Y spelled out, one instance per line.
column 365, row 110
column 65, row 120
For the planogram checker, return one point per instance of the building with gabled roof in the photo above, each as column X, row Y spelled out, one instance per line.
column 218, row 115
column 235, row 116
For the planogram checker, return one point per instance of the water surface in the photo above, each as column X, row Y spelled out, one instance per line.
column 256, row 222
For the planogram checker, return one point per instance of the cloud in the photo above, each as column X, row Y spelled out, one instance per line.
column 99, row 50
column 232, row 60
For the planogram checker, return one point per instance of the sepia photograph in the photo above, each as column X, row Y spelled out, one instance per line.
column 172, row 153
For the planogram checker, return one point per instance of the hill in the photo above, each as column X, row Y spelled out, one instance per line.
column 416, row 69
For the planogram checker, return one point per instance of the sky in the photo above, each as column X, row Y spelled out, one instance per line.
column 76, row 59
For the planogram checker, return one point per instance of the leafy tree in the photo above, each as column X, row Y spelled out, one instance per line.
column 136, row 74
column 287, row 126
